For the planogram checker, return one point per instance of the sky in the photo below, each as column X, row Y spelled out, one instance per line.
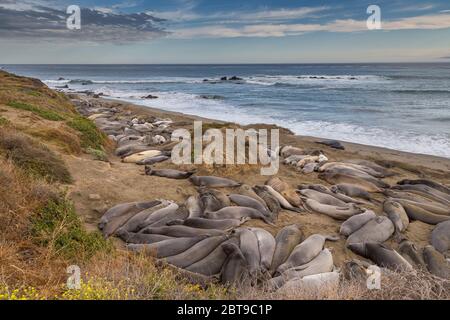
column 225, row 31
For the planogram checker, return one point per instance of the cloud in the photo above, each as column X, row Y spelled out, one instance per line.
column 36, row 22
column 426, row 22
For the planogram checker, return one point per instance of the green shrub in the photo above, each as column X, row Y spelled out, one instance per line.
column 91, row 137
column 41, row 112
column 3, row 121
column 99, row 155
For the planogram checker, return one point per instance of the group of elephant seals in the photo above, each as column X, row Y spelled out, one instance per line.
column 168, row 173
column 417, row 213
column 286, row 240
column 213, row 182
column 426, row 182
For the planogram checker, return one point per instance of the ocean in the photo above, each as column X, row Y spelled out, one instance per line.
column 399, row 106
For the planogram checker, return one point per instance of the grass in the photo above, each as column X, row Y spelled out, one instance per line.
column 99, row 155
column 62, row 137
column 41, row 112
column 91, row 136
column 4, row 121
column 33, row 157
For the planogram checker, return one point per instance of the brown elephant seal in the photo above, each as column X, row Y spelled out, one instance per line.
column 117, row 216
column 194, row 206
column 322, row 198
column 397, row 214
column 166, row 248
column 436, row 263
column 153, row 160
column 440, row 238
column 271, row 202
column 246, row 190
column 212, row 264
column 351, row 191
column 266, row 245
column 282, row 200
column 355, row 270
column 237, row 213
column 277, row 184
column 213, row 182
column 234, row 271
column 203, row 223
column 212, row 200
column 375, row 230
column 140, row 238
column 168, row 173
column 381, row 254
column 339, row 178
column 286, row 240
column 245, row 201
column 248, row 243
column 431, row 184
column 338, row 213
column 411, row 253
column 293, row 198
column 181, row 231
column 305, row 251
column 132, row 225
column 288, row 151
column 197, row 252
column 417, row 213
column 322, row 263
column 356, row 222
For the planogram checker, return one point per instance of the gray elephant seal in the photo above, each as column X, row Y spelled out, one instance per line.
column 376, row 230
column 248, row 243
column 129, row 149
column 351, row 191
column 322, row 198
column 417, row 213
column 246, row 190
column 180, row 213
column 117, row 216
column 305, row 251
column 322, row 263
column 339, row 213
column 237, row 213
column 213, row 200
column 213, row 262
column 197, row 252
column 325, row 190
column 286, row 240
column 397, row 214
column 436, row 263
column 140, row 238
column 166, row 248
column 132, row 225
column 371, row 165
column 271, row 202
column 431, row 184
column 425, row 191
column 213, row 182
column 160, row 214
column 440, row 237
column 266, row 245
column 431, row 206
column 382, row 255
column 245, row 201
column 411, row 253
column 152, row 160
column 194, row 206
column 234, row 271
column 358, row 174
column 356, row 222
column 203, row 223
column 180, row 231
column 168, row 173
column 339, row 178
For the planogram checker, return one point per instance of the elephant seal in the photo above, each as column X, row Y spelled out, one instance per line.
column 315, row 283
column 355, row 270
column 157, row 215
column 411, row 253
column 322, row 263
column 180, row 213
column 351, row 191
column 339, row 178
column 197, row 252
column 202, row 223
column 322, row 198
column 213, row 200
column 440, row 237
column 431, row 184
column 376, row 230
column 277, row 184
column 305, row 252
column 246, row 190
column 181, row 231
column 292, row 197
column 117, row 216
column 136, row 157
column 213, row 262
column 323, row 189
column 234, row 270
column 132, row 225
column 425, row 191
column 266, row 245
column 356, row 222
column 168, row 173
column 167, row 248
column 248, row 243
column 245, row 201
column 432, row 207
column 417, row 213
column 140, row 238
column 237, row 213
column 382, row 170
column 436, row 263
column 128, row 149
column 397, row 214
column 271, row 202
column 153, row 160
column 382, row 255
column 283, row 202
column 213, row 182
column 288, row 151
column 353, row 172
column 194, row 206
column 286, row 240
column 339, row 213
